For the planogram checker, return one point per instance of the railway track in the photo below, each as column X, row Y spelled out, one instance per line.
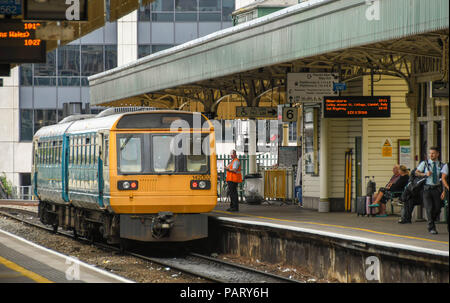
column 211, row 269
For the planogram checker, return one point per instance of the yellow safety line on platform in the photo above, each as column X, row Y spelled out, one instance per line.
column 25, row 272
column 331, row 225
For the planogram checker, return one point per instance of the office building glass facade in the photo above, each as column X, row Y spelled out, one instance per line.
column 162, row 24
column 167, row 23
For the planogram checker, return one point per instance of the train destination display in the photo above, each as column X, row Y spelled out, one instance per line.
column 18, row 43
column 357, row 107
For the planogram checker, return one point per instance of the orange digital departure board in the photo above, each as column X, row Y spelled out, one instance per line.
column 357, row 107
column 18, row 43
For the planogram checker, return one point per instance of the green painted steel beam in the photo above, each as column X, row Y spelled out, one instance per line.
column 300, row 31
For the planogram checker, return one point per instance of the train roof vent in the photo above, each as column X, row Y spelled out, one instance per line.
column 76, row 117
column 119, row 110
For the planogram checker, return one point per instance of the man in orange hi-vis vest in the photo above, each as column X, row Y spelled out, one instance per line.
column 234, row 177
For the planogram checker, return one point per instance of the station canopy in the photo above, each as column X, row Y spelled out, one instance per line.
column 402, row 38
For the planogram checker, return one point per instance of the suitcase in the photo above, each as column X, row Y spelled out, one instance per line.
column 361, row 206
column 370, row 211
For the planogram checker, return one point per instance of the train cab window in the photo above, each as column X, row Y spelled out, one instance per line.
column 196, row 160
column 163, row 161
column 130, row 153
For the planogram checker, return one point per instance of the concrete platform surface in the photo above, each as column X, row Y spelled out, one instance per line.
column 381, row 231
column 22, row 261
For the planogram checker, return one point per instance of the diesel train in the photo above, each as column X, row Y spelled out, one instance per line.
column 127, row 173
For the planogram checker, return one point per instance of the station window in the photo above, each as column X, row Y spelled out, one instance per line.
column 48, row 68
column 144, row 50
column 162, row 5
column 91, row 59
column 26, row 75
column 227, row 9
column 311, row 140
column 209, row 5
column 160, row 47
column 293, row 131
column 162, row 17
column 185, row 5
column 69, row 61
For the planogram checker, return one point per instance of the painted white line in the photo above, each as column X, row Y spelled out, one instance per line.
column 81, row 263
column 341, row 236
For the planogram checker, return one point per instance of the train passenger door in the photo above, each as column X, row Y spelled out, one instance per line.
column 102, row 166
column 65, row 168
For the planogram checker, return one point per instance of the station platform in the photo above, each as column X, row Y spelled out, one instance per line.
column 336, row 246
column 22, row 261
column 381, row 231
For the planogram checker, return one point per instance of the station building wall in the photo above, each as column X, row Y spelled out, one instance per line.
column 342, row 134
column 377, row 130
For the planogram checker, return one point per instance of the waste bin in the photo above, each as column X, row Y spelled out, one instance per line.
column 254, row 188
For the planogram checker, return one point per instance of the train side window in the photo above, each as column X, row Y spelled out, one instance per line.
column 60, row 152
column 55, row 149
column 94, row 143
column 79, row 150
column 83, row 150
column 53, row 159
column 39, row 151
column 89, row 150
column 106, row 147
column 45, row 152
column 50, row 152
column 75, row 151
column 71, row 150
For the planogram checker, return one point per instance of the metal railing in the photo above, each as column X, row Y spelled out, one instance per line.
column 262, row 160
column 25, row 192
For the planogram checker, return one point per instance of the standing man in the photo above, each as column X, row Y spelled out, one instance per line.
column 444, row 173
column 431, row 168
column 444, row 195
column 234, row 177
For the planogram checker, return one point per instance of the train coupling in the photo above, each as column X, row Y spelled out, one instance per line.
column 162, row 224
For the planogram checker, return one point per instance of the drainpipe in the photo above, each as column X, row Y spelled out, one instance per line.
column 324, row 203
column 252, row 146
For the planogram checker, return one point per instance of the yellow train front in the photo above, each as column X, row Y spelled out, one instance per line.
column 144, row 175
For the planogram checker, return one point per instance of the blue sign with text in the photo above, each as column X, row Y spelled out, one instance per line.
column 339, row 86
column 10, row 7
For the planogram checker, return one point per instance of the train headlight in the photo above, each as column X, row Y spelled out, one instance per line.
column 200, row 184
column 127, row 185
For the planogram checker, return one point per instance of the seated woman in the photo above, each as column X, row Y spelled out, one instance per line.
column 398, row 185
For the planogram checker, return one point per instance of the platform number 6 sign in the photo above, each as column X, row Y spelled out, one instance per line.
column 290, row 114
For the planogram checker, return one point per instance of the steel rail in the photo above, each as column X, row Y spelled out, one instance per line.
column 4, row 211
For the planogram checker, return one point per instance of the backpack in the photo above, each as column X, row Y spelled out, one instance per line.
column 414, row 189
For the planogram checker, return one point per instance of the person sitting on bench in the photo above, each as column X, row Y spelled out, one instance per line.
column 393, row 179
column 397, row 186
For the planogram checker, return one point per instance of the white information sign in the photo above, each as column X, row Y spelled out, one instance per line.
column 256, row 112
column 310, row 87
